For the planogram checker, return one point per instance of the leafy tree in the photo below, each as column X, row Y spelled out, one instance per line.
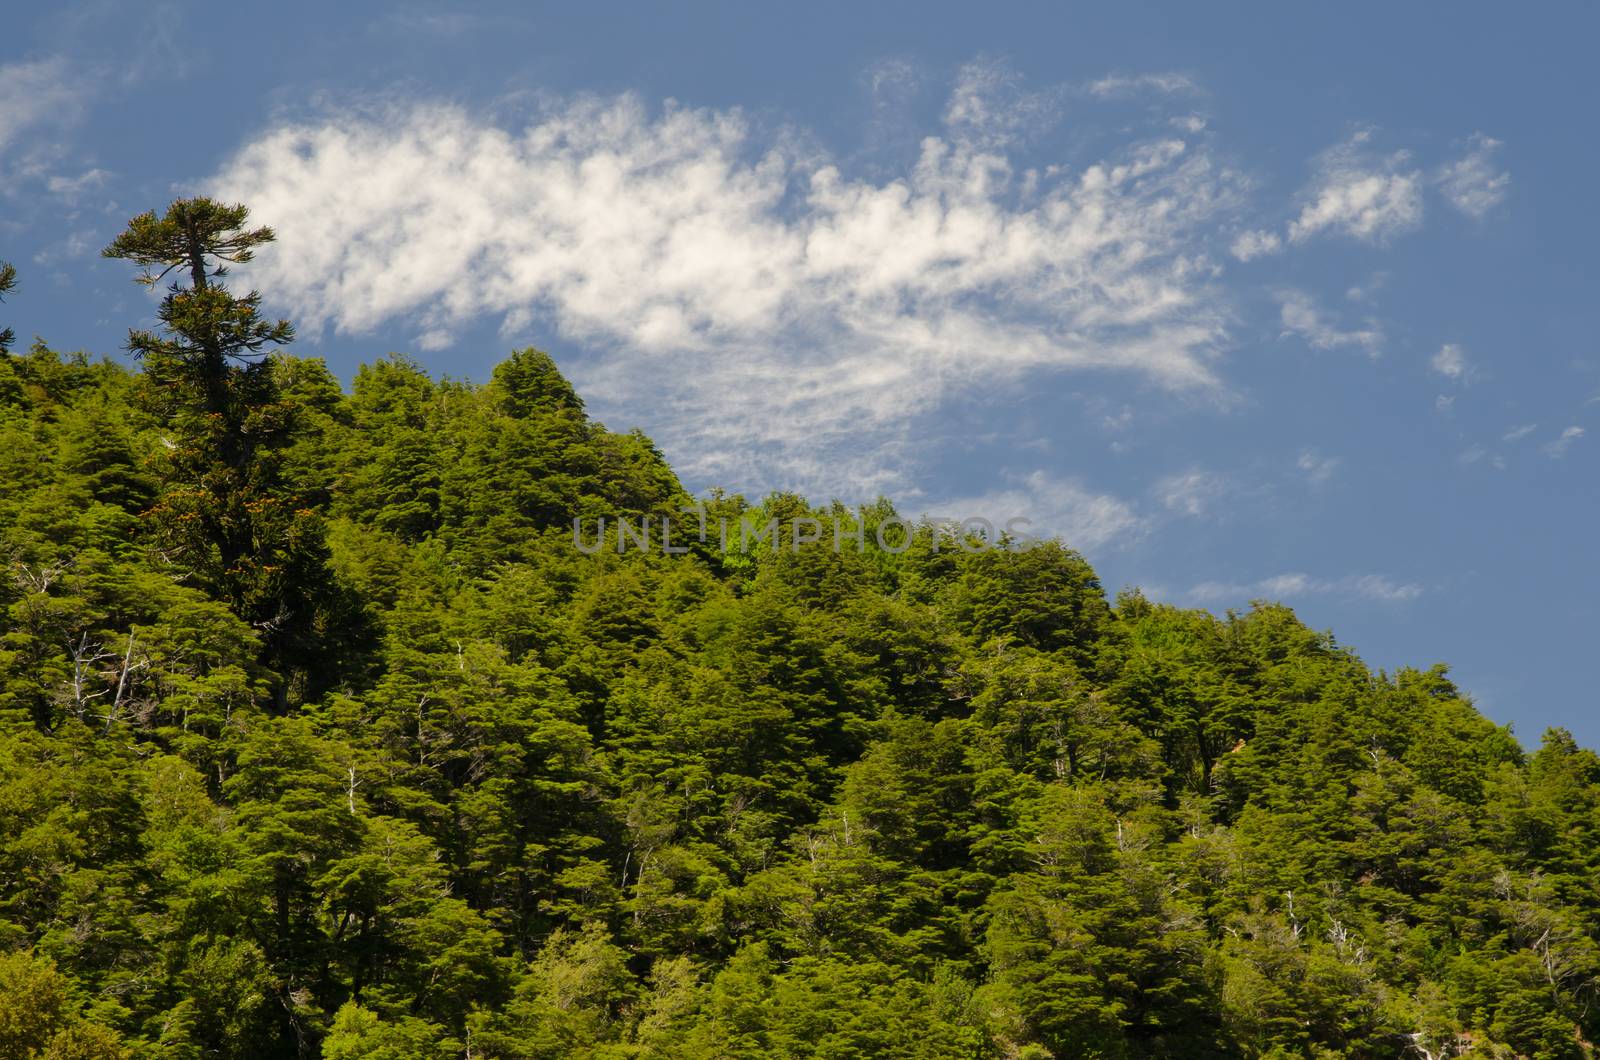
column 225, row 513
column 8, row 280
column 39, row 1018
column 359, row 1034
column 427, row 780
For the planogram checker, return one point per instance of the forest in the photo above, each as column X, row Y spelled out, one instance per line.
column 319, row 737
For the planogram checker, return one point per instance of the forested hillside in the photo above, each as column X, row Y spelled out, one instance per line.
column 320, row 737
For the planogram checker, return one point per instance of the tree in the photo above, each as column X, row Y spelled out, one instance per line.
column 225, row 514
column 33, row 1003
column 359, row 1034
column 742, row 802
column 8, row 280
column 209, row 325
column 1046, row 597
column 38, row 1017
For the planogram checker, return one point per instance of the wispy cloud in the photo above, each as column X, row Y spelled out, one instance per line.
column 1482, row 454
column 894, row 78
column 1301, row 316
column 72, row 189
column 1367, row 293
column 1361, row 194
column 1450, row 361
column 435, row 23
column 991, row 107
column 1251, row 245
column 780, row 321
column 1054, row 506
column 1479, row 454
column 1516, row 434
column 1316, row 467
column 1473, row 183
column 1558, row 448
column 1374, row 587
column 38, row 92
column 1192, row 493
column 1118, row 86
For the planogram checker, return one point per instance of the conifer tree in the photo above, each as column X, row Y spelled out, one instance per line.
column 225, row 515
column 8, row 280
column 735, row 802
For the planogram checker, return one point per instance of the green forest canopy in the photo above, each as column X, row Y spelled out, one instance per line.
column 318, row 737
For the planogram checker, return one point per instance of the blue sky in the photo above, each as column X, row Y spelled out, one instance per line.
column 1246, row 301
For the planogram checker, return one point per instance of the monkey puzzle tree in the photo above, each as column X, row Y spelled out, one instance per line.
column 8, row 280
column 213, row 351
column 225, row 515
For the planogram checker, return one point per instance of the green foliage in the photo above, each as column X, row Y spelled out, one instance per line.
column 40, row 1020
column 226, row 514
column 319, row 735
column 8, row 280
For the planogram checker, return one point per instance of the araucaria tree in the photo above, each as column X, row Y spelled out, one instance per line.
column 225, row 515
column 8, row 280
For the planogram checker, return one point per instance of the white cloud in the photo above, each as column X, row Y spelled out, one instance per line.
column 989, row 107
column 72, row 189
column 1359, row 194
column 76, row 245
column 773, row 320
column 1367, row 292
column 1516, row 434
column 1301, row 316
column 1192, row 493
column 1251, row 245
column 1450, row 361
column 1318, row 469
column 895, row 78
column 1377, row 587
column 1116, row 87
column 434, row 24
column 1289, row 586
column 1472, row 183
column 38, row 92
column 1558, row 448
column 1053, row 506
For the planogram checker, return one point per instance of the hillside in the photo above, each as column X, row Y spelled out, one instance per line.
column 320, row 737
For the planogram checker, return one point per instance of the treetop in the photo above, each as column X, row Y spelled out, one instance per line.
column 191, row 231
